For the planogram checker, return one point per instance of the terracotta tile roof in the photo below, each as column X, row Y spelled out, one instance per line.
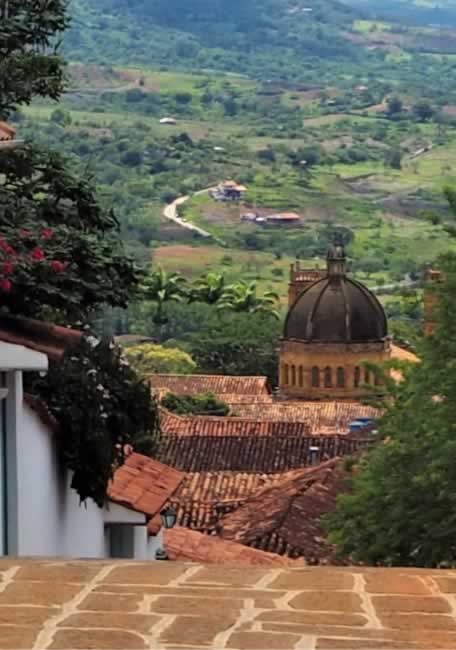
column 7, row 132
column 232, row 399
column 269, row 454
column 285, row 518
column 217, row 384
column 402, row 355
column 190, row 425
column 184, row 544
column 204, row 497
column 144, row 484
column 319, row 417
column 52, row 340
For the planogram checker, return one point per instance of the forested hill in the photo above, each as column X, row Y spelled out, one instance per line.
column 283, row 35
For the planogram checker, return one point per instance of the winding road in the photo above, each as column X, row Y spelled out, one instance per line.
column 171, row 213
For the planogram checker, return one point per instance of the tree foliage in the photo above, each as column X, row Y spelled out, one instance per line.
column 243, row 297
column 38, row 193
column 203, row 404
column 29, row 62
column 149, row 358
column 161, row 288
column 402, row 510
column 100, row 405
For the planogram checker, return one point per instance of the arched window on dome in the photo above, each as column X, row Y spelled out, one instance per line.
column 285, row 374
column 315, row 377
column 340, row 377
column 293, row 375
column 328, row 377
column 367, row 376
column 301, row 377
column 378, row 380
column 357, row 379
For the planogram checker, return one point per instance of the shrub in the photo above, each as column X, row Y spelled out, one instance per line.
column 203, row 404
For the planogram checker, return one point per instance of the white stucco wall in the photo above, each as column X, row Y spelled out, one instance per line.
column 50, row 519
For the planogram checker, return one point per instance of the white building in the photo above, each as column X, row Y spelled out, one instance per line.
column 40, row 514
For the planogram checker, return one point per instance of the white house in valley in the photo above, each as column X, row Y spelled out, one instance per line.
column 40, row 514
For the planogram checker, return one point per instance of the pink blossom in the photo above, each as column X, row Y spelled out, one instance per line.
column 8, row 268
column 47, row 233
column 5, row 285
column 58, row 266
column 25, row 233
column 38, row 254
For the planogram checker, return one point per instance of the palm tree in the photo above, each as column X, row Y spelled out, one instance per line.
column 242, row 297
column 162, row 287
column 208, row 289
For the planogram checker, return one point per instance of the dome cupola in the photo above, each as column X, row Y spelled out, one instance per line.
column 336, row 309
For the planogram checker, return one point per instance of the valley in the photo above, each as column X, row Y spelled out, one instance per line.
column 361, row 145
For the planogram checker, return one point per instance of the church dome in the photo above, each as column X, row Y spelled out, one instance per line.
column 336, row 309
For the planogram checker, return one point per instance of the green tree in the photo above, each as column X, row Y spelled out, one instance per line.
column 203, row 404
column 402, row 507
column 243, row 297
column 62, row 248
column 394, row 106
column 59, row 116
column 61, row 254
column 148, row 358
column 161, row 288
column 208, row 289
column 29, row 62
column 393, row 158
column 423, row 111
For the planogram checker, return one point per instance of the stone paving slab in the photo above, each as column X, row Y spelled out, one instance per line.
column 119, row 605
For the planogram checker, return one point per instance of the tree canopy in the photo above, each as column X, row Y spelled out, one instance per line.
column 30, row 65
column 62, row 256
column 402, row 507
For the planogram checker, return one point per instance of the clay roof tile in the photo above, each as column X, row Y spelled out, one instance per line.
column 144, row 484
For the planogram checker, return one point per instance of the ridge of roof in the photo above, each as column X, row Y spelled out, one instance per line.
column 285, row 517
column 205, row 425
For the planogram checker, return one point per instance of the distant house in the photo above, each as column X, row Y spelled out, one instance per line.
column 8, row 136
column 249, row 217
column 228, row 191
column 40, row 513
column 7, row 132
column 170, row 121
column 283, row 218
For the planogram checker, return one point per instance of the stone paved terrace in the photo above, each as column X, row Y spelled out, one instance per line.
column 75, row 605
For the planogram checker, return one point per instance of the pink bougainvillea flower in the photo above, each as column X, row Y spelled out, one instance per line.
column 9, row 250
column 8, row 268
column 5, row 285
column 47, row 233
column 38, row 254
column 58, row 266
column 25, row 233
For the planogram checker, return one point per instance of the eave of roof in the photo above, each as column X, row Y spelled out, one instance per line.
column 190, row 545
column 143, row 484
column 47, row 338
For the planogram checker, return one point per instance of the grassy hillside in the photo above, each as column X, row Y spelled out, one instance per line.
column 258, row 37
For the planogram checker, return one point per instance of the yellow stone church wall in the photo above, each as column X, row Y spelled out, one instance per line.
column 298, row 359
